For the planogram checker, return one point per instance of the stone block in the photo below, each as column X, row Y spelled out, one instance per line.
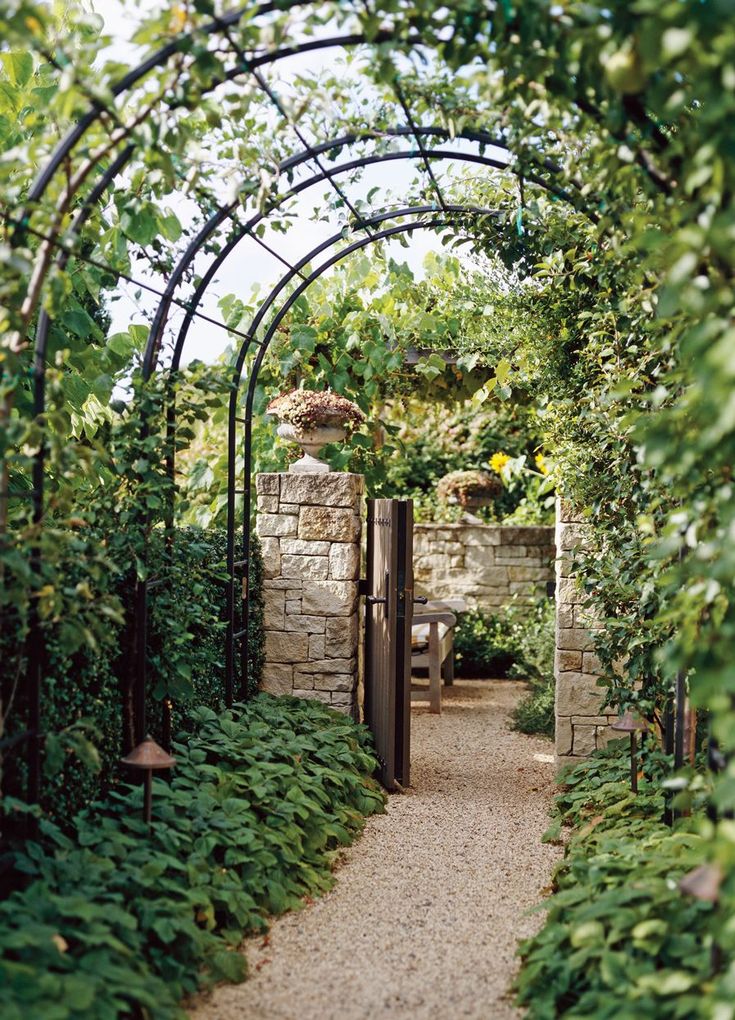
column 568, row 591
column 567, row 661
column 329, row 598
column 271, row 551
column 575, row 640
column 276, row 584
column 297, row 547
column 343, row 700
column 328, row 524
column 293, row 607
column 573, row 536
column 268, row 484
column 334, row 489
column 511, row 555
column 585, row 740
column 344, row 561
column 565, row 565
column 479, row 534
column 273, row 619
column 590, row 720
column 286, row 647
column 563, row 736
column 327, row 666
column 578, row 694
column 276, row 524
column 341, row 637
column 288, row 508
column 305, row 567
column 522, row 535
column 334, row 682
column 322, row 696
column 317, row 646
column 274, row 601
column 268, row 504
column 304, row 624
column 564, row 616
column 295, row 591
column 604, row 735
column 590, row 663
column 523, row 572
column 277, row 679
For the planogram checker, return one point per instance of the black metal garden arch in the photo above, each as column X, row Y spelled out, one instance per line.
column 443, row 215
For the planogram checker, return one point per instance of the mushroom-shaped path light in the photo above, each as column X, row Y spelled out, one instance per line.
column 628, row 723
column 148, row 757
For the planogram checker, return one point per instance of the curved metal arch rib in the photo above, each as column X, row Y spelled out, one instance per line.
column 435, row 223
column 225, row 212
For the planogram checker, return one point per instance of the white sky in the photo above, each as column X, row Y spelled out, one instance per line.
column 249, row 264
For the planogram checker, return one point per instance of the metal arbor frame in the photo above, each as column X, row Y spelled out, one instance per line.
column 434, row 216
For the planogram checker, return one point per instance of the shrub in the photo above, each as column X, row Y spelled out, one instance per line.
column 83, row 687
column 117, row 922
column 620, row 940
column 535, row 627
column 484, row 645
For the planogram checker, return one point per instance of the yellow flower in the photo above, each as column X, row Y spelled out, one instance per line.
column 541, row 464
column 498, row 461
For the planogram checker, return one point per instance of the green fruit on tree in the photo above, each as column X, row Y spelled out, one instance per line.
column 624, row 72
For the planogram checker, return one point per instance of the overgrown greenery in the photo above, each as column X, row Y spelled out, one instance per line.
column 518, row 642
column 620, row 327
column 115, row 921
column 620, row 939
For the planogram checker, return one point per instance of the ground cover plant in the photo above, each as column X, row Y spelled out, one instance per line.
column 620, row 939
column 114, row 921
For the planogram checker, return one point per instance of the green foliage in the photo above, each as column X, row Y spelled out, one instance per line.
column 115, row 921
column 535, row 628
column 186, row 661
column 484, row 644
column 620, row 939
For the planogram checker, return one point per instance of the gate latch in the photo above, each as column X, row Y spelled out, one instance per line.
column 380, row 600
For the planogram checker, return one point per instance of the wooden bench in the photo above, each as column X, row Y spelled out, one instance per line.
column 432, row 642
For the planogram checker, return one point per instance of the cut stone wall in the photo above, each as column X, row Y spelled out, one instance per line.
column 310, row 527
column 581, row 726
column 487, row 564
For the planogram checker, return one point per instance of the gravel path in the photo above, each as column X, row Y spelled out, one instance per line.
column 429, row 904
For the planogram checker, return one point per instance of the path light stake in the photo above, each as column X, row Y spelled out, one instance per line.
column 148, row 757
column 703, row 884
column 627, row 723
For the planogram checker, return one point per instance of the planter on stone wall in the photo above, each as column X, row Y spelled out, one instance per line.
column 311, row 420
column 469, row 489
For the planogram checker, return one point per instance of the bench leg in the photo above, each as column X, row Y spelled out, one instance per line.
column 448, row 668
column 435, row 670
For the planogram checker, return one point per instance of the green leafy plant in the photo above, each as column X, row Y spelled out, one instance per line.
column 485, row 645
column 619, row 938
column 115, row 921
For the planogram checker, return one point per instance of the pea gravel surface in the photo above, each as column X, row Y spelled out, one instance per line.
column 429, row 904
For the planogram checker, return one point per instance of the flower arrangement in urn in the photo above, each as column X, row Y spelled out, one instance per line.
column 468, row 488
column 313, row 419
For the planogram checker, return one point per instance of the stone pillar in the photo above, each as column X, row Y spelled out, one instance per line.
column 581, row 726
column 309, row 527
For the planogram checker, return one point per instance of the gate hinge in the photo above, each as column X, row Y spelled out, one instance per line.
column 362, row 586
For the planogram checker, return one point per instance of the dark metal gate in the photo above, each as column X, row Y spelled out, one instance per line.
column 388, row 611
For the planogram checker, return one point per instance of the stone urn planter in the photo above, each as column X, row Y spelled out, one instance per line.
column 469, row 489
column 311, row 420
